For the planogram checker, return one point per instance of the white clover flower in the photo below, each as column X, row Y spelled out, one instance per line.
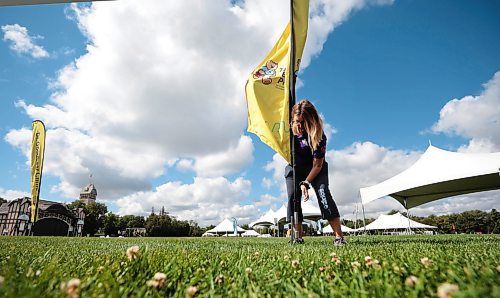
column 411, row 281
column 426, row 262
column 71, row 287
column 368, row 261
column 219, row 279
column 447, row 290
column 191, row 291
column 133, row 252
column 157, row 281
column 335, row 258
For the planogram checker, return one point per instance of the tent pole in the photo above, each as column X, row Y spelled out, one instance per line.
column 407, row 215
column 363, row 209
column 364, row 219
column 355, row 218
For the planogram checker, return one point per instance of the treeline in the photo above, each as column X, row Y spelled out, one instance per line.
column 99, row 221
column 474, row 221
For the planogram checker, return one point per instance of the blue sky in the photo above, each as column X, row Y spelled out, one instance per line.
column 151, row 102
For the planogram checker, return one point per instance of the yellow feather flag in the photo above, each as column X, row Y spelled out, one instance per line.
column 37, row 154
column 268, row 86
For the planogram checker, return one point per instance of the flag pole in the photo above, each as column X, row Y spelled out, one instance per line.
column 291, row 102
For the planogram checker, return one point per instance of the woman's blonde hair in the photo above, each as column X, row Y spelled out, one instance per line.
column 312, row 122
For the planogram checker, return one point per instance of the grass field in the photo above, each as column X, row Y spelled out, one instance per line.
column 369, row 266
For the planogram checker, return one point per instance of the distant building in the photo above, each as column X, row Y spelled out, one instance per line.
column 54, row 219
column 88, row 194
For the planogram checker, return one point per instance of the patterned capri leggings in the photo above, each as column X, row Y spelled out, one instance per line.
column 326, row 204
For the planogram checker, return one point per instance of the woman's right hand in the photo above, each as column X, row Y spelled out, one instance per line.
column 305, row 193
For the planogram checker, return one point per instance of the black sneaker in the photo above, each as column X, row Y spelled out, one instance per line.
column 339, row 241
column 299, row 241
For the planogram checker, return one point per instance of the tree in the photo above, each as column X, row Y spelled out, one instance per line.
column 111, row 222
column 168, row 226
column 94, row 215
column 195, row 230
column 131, row 221
column 2, row 200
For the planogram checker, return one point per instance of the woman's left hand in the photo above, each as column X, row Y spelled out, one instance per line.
column 305, row 193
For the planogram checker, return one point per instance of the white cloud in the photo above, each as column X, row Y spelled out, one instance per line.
column 185, row 165
column 267, row 183
column 478, row 201
column 267, row 200
column 22, row 42
column 474, row 117
column 10, row 194
column 206, row 200
column 226, row 162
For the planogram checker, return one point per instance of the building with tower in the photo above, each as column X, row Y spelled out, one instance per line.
column 88, row 194
column 54, row 218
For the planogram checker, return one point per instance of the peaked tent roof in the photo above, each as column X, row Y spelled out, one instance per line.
column 281, row 213
column 226, row 226
column 439, row 174
column 265, row 220
column 328, row 229
column 250, row 233
column 309, row 210
column 393, row 222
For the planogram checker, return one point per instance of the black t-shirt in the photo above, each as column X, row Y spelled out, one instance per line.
column 303, row 154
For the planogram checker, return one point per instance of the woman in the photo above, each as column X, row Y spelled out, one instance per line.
column 311, row 168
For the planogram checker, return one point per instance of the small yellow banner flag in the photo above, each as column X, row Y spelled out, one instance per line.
column 37, row 154
column 268, row 87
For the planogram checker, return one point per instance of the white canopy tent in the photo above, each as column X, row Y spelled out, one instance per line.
column 395, row 221
column 439, row 174
column 328, row 229
column 281, row 213
column 250, row 233
column 265, row 220
column 226, row 227
column 309, row 210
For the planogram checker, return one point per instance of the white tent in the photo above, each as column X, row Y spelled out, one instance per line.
column 265, row 220
column 395, row 221
column 225, row 227
column 309, row 210
column 250, row 233
column 281, row 213
column 328, row 229
column 439, row 174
